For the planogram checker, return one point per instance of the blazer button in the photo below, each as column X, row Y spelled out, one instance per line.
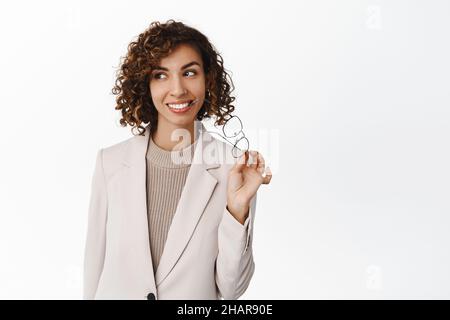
column 151, row 296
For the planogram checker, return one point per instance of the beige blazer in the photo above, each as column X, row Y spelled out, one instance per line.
column 208, row 253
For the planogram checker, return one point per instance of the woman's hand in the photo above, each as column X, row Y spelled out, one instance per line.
column 243, row 182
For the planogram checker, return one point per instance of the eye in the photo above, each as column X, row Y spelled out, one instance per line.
column 194, row 72
column 158, row 75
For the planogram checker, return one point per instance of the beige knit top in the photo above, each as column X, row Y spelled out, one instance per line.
column 166, row 176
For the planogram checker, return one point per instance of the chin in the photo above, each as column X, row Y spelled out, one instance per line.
column 181, row 120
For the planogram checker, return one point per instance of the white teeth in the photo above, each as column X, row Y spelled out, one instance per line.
column 178, row 106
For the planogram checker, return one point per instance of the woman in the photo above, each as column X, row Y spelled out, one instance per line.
column 170, row 219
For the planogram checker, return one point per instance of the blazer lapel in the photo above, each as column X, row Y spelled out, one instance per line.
column 196, row 193
column 135, row 208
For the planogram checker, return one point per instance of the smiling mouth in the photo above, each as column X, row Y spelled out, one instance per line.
column 181, row 106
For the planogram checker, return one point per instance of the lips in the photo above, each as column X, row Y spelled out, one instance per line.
column 181, row 107
column 179, row 102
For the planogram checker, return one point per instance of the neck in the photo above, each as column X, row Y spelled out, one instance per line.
column 170, row 137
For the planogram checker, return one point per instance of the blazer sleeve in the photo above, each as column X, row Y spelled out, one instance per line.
column 96, row 231
column 234, row 263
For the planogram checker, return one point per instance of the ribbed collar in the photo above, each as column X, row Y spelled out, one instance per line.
column 170, row 159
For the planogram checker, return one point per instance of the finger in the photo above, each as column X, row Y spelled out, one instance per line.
column 254, row 159
column 261, row 164
column 241, row 162
column 267, row 177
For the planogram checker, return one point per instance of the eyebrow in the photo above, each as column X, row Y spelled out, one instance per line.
column 182, row 68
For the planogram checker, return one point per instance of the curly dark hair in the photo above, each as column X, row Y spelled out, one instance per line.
column 133, row 76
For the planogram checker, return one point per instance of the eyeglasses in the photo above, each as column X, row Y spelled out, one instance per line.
column 232, row 128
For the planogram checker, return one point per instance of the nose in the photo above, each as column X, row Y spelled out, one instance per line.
column 177, row 89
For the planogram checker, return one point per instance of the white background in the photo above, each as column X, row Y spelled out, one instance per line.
column 356, row 94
